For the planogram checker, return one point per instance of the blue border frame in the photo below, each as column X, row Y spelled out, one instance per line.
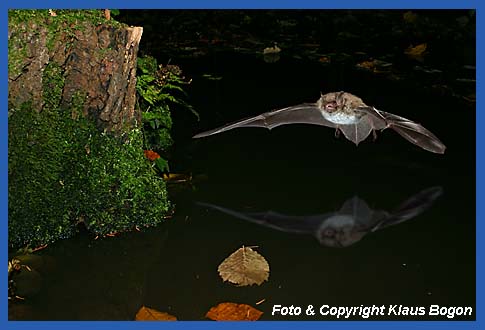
column 221, row 4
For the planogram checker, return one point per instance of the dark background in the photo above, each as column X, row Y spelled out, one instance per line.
column 304, row 170
column 296, row 169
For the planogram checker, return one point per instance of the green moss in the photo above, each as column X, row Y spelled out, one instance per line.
column 35, row 167
column 71, row 17
column 66, row 22
column 53, row 84
column 63, row 171
column 17, row 53
column 120, row 189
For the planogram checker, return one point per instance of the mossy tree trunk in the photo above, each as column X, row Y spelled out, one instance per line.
column 75, row 143
column 94, row 64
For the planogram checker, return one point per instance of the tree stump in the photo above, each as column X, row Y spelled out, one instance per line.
column 95, row 61
column 75, row 155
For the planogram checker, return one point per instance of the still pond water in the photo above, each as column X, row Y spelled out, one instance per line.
column 330, row 258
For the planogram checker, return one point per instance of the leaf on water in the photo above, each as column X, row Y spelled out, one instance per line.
column 376, row 66
column 410, row 17
column 416, row 52
column 369, row 65
column 233, row 312
column 177, row 177
column 272, row 50
column 244, row 267
column 149, row 314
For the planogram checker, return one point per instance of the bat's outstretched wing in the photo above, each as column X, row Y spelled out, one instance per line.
column 411, row 131
column 306, row 113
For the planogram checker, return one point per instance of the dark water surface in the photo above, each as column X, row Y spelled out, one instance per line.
column 294, row 170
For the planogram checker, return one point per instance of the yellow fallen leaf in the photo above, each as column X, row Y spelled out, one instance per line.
column 177, row 177
column 233, row 312
column 150, row 314
column 416, row 51
column 244, row 267
column 272, row 50
column 369, row 65
column 410, row 17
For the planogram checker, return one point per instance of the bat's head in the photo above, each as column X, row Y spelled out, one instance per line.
column 336, row 101
column 331, row 106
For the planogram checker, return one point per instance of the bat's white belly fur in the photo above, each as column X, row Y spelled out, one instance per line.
column 340, row 118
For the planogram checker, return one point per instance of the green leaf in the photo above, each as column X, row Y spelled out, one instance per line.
column 172, row 87
column 158, row 88
column 162, row 165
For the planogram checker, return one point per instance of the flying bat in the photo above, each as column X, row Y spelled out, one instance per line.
column 344, row 227
column 346, row 113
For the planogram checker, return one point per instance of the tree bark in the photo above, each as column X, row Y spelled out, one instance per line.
column 97, row 63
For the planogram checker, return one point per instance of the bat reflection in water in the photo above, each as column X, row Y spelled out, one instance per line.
column 346, row 113
column 344, row 227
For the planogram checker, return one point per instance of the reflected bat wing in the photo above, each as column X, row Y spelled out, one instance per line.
column 365, row 217
column 411, row 131
column 412, row 207
column 306, row 113
column 282, row 222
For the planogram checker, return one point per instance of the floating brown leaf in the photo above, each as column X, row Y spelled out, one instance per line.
column 369, row 65
column 410, row 17
column 233, row 312
column 149, row 314
column 244, row 267
column 176, row 177
column 416, row 52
